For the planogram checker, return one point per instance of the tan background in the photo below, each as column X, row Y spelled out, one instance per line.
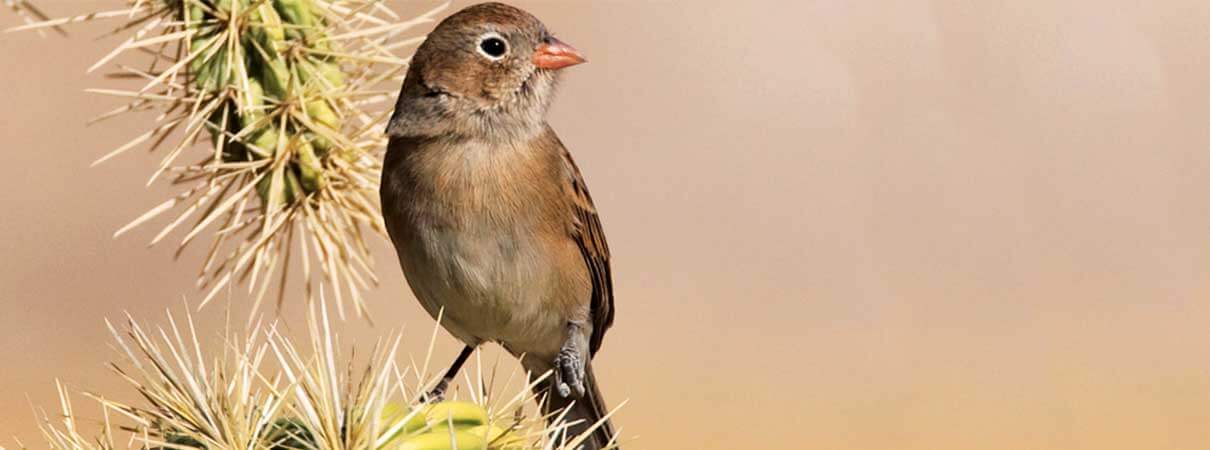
column 837, row 225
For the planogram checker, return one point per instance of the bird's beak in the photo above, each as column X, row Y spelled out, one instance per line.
column 555, row 54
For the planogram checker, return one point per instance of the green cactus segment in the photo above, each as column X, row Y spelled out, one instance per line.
column 276, row 76
column 275, row 190
column 306, row 25
column 210, row 70
column 262, row 54
column 331, row 73
column 309, row 169
column 267, row 27
column 259, row 130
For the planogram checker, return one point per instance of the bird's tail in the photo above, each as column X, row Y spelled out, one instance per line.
column 586, row 411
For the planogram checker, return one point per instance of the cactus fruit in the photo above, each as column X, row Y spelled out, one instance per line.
column 499, row 438
column 445, row 440
column 459, row 414
column 393, row 413
column 470, row 430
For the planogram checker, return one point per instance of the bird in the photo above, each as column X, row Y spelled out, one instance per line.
column 495, row 230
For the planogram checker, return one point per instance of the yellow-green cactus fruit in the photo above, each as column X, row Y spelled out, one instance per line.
column 498, row 438
column 460, row 414
column 393, row 413
column 445, row 440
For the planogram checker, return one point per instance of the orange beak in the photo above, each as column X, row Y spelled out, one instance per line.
column 555, row 54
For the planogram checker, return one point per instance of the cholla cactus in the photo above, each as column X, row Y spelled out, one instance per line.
column 271, row 118
column 264, row 392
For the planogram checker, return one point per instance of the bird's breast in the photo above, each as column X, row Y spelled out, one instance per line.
column 473, row 232
column 494, row 280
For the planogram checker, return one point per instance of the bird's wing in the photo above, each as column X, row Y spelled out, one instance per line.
column 585, row 229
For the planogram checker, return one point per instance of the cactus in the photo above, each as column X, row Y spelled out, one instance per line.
column 290, row 114
column 428, row 428
column 265, row 61
column 471, row 429
column 499, row 438
column 445, row 440
column 459, row 414
column 291, row 96
column 274, row 78
column 288, row 433
column 262, row 390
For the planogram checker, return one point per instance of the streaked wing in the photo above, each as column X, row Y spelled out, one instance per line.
column 585, row 229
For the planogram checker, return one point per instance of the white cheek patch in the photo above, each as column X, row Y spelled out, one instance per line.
column 490, row 35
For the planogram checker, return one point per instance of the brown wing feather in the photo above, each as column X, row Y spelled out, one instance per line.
column 585, row 229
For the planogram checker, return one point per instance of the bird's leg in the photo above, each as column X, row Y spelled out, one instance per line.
column 438, row 392
column 569, row 364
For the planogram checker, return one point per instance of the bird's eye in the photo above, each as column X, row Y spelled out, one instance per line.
column 493, row 46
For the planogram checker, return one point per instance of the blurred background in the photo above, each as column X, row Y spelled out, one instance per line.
column 839, row 225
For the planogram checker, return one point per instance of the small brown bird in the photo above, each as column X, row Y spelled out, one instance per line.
column 489, row 214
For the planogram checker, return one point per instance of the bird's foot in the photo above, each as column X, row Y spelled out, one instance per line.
column 569, row 364
column 437, row 394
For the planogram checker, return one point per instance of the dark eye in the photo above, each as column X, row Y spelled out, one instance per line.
column 493, row 47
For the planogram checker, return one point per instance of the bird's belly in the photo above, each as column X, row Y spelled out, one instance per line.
column 490, row 283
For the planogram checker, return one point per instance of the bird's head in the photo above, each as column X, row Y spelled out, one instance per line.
column 488, row 71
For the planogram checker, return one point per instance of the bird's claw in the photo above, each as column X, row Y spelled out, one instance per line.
column 437, row 394
column 569, row 371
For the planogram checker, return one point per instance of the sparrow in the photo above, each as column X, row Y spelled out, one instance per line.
column 490, row 217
